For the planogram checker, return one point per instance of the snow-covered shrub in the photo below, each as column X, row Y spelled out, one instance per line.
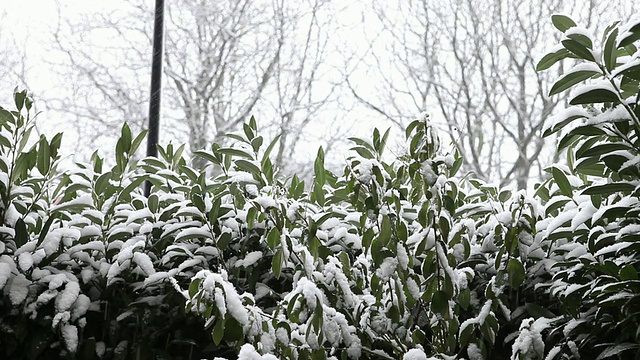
column 383, row 260
column 401, row 258
column 592, row 223
column 83, row 254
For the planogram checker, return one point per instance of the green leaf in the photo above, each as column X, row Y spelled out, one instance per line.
column 207, row 156
column 607, row 189
column 628, row 272
column 562, row 181
column 248, row 131
column 538, row 311
column 411, row 127
column 582, row 39
column 135, row 144
column 630, row 36
column 516, row 272
column 604, row 149
column 276, row 263
column 22, row 235
column 610, row 50
column 152, row 202
column 46, row 227
column 256, row 143
column 385, row 230
column 235, row 152
column 194, row 287
column 571, row 79
column 562, row 22
column 364, row 152
column 578, row 49
column 267, row 152
column 318, row 167
column 19, row 98
column 44, row 156
column 249, row 167
column 317, row 317
column 125, row 193
column 273, row 239
column 595, row 96
column 6, row 116
column 617, row 349
column 383, row 142
column 126, row 138
column 550, row 59
column 218, row 331
column 632, row 72
column 440, row 302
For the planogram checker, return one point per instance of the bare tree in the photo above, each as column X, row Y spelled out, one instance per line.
column 472, row 65
column 223, row 63
column 12, row 59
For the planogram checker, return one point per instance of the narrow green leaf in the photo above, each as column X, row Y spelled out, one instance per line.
column 578, row 49
column 125, row 136
column 44, row 156
column 595, row 96
column 411, row 127
column 516, row 272
column 256, row 143
column 617, row 349
column 632, row 72
column 440, row 302
column 272, row 144
column 610, row 53
column 607, row 189
column 194, row 287
column 318, row 166
column 207, row 156
column 19, row 98
column 248, row 131
column 135, row 144
column 235, row 152
column 276, row 263
column 630, row 36
column 248, row 166
column 604, row 149
column 364, row 152
column 21, row 234
column 562, row 181
column 571, row 79
column 385, row 230
column 218, row 331
column 584, row 40
column 273, row 239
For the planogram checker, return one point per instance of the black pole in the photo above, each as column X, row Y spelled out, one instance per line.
column 156, row 86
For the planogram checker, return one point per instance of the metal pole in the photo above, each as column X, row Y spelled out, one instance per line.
column 156, row 86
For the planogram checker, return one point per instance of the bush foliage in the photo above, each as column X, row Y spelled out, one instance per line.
column 400, row 259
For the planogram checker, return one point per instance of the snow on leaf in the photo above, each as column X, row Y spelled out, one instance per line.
column 68, row 296
column 416, row 354
column 5, row 274
column 249, row 259
column 70, row 337
column 80, row 307
column 144, row 262
column 19, row 289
